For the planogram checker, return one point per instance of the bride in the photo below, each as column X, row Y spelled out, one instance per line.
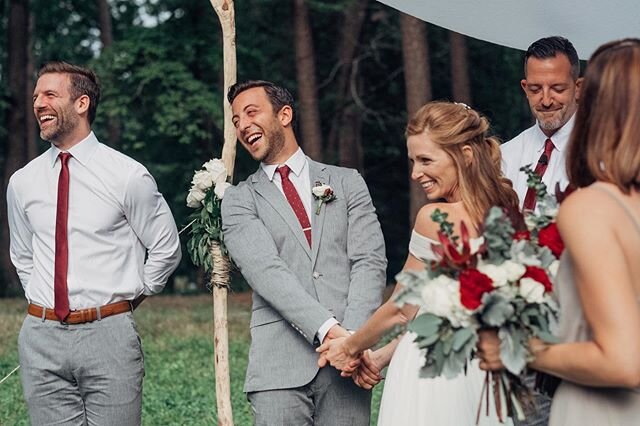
column 458, row 166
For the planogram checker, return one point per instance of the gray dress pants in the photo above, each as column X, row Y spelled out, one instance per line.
column 82, row 374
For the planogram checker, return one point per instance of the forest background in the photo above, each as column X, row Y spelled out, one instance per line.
column 357, row 69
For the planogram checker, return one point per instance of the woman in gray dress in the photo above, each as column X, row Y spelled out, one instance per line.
column 598, row 284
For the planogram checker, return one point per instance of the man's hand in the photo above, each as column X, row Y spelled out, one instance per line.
column 367, row 375
column 334, row 351
column 334, row 332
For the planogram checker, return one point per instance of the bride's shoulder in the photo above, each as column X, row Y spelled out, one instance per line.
column 425, row 225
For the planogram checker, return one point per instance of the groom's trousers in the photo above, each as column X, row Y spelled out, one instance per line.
column 328, row 400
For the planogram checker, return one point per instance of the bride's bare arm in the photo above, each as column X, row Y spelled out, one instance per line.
column 343, row 353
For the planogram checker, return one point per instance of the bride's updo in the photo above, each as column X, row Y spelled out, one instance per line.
column 481, row 182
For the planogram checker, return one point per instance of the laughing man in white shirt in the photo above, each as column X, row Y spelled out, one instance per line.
column 83, row 218
column 552, row 86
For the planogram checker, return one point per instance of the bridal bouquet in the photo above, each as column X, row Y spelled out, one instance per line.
column 205, row 196
column 504, row 284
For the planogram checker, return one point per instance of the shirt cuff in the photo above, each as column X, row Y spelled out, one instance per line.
column 324, row 328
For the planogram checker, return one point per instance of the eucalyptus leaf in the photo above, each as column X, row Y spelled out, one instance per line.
column 513, row 349
column 425, row 325
column 497, row 309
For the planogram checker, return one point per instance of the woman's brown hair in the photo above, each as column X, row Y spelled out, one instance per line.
column 454, row 126
column 605, row 142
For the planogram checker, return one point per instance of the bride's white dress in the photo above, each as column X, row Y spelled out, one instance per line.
column 408, row 400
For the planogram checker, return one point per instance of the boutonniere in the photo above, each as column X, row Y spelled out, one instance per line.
column 323, row 193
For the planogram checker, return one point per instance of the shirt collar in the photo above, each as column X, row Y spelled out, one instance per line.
column 560, row 138
column 82, row 151
column 296, row 163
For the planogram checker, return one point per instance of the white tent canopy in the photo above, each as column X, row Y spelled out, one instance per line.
column 518, row 23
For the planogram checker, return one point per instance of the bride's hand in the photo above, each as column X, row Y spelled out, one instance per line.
column 489, row 350
column 335, row 352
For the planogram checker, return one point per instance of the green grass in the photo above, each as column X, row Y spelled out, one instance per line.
column 177, row 335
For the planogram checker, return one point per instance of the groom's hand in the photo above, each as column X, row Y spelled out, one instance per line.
column 334, row 332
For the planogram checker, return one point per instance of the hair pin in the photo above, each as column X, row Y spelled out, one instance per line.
column 467, row 107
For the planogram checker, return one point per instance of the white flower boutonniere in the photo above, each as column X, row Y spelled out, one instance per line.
column 323, row 193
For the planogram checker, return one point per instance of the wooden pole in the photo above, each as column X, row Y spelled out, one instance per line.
column 225, row 11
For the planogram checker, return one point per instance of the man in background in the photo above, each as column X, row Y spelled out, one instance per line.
column 552, row 87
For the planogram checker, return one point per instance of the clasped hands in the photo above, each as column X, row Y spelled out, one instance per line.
column 362, row 367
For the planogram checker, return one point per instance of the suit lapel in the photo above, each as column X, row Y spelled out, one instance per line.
column 268, row 190
column 317, row 175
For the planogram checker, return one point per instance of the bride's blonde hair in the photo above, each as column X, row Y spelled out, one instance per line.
column 453, row 126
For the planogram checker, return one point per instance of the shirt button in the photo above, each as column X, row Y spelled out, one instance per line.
column 316, row 275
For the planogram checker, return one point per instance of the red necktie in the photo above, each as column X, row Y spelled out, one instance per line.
column 60, row 292
column 541, row 167
column 294, row 200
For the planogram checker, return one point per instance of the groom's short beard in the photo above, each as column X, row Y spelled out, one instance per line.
column 275, row 138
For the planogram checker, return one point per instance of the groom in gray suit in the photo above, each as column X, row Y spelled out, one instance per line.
column 316, row 264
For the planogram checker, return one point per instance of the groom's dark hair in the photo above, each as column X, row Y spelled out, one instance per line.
column 550, row 47
column 278, row 96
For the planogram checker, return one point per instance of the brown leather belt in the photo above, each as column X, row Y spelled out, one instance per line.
column 82, row 315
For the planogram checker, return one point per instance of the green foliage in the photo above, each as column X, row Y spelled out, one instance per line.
column 498, row 234
column 446, row 227
column 206, row 229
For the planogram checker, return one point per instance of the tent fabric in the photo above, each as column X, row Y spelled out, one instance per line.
column 517, row 23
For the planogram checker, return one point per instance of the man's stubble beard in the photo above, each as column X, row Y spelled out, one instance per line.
column 66, row 124
column 275, row 139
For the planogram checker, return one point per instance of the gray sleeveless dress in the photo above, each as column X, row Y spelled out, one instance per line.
column 577, row 405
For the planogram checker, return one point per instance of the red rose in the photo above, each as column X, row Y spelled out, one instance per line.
column 550, row 237
column 522, row 235
column 539, row 275
column 473, row 284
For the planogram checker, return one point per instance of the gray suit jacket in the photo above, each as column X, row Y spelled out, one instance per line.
column 298, row 288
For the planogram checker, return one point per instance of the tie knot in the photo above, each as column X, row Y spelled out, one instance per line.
column 284, row 171
column 548, row 146
column 64, row 157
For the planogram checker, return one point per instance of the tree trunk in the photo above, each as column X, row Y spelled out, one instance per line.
column 106, row 37
column 417, row 77
column 30, row 118
column 16, row 154
column 309, row 112
column 349, row 42
column 460, row 84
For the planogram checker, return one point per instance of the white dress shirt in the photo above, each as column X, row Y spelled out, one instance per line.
column 116, row 218
column 299, row 177
column 526, row 148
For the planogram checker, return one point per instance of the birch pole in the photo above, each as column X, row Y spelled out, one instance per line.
column 220, row 277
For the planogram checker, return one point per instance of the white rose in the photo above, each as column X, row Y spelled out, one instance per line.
column 202, row 180
column 217, row 170
column 502, row 274
column 441, row 298
column 195, row 197
column 531, row 290
column 220, row 188
column 319, row 190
